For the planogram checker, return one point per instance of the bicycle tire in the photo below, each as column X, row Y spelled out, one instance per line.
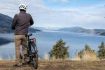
column 34, row 56
column 35, row 61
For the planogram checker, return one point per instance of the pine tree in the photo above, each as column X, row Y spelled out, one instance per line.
column 59, row 51
column 87, row 48
column 101, row 51
column 80, row 53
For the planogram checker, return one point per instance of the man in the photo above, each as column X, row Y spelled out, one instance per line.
column 20, row 25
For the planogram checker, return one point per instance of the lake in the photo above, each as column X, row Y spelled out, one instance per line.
column 46, row 40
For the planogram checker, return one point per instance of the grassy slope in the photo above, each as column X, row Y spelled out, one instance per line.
column 59, row 65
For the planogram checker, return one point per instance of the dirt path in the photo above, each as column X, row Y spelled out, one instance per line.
column 58, row 65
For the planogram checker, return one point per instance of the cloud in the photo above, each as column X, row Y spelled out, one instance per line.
column 94, row 17
column 89, row 17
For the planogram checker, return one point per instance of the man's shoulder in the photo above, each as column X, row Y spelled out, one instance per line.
column 16, row 14
column 28, row 14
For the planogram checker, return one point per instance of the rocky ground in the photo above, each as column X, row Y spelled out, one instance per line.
column 58, row 65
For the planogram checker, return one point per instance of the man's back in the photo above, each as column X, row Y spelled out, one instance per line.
column 21, row 23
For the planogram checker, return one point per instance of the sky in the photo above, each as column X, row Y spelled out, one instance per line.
column 60, row 13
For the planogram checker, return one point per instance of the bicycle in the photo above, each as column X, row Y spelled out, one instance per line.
column 32, row 52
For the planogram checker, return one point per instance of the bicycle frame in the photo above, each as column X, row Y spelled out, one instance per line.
column 33, row 56
column 31, row 42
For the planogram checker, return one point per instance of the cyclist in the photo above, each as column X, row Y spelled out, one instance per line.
column 20, row 25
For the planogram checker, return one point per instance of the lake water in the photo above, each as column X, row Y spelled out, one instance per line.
column 46, row 40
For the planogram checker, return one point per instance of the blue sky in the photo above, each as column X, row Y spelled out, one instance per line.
column 60, row 13
column 71, row 3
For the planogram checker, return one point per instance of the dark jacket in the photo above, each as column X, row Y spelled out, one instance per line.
column 21, row 23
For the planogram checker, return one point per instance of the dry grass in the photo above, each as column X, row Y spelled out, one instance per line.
column 58, row 65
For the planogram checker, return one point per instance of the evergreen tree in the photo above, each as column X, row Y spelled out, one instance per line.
column 59, row 51
column 87, row 48
column 101, row 51
column 80, row 53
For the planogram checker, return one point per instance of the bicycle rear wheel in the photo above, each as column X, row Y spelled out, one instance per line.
column 34, row 55
column 35, row 61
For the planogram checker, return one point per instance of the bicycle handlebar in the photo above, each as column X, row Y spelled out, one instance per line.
column 28, row 35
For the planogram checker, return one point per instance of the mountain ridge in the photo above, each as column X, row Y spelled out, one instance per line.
column 83, row 30
column 5, row 27
column 5, row 24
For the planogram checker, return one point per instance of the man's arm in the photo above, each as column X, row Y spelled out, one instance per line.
column 14, row 22
column 31, row 20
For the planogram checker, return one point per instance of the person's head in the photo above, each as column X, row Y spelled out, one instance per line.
column 22, row 7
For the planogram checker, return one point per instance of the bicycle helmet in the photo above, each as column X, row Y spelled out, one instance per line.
column 22, row 7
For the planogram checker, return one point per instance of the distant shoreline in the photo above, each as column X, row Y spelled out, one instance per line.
column 4, row 41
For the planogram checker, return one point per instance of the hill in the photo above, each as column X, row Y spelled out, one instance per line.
column 102, row 34
column 83, row 30
column 4, row 41
column 100, row 31
column 5, row 27
column 75, row 29
column 5, row 24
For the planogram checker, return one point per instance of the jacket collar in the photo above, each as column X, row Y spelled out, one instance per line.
column 22, row 11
